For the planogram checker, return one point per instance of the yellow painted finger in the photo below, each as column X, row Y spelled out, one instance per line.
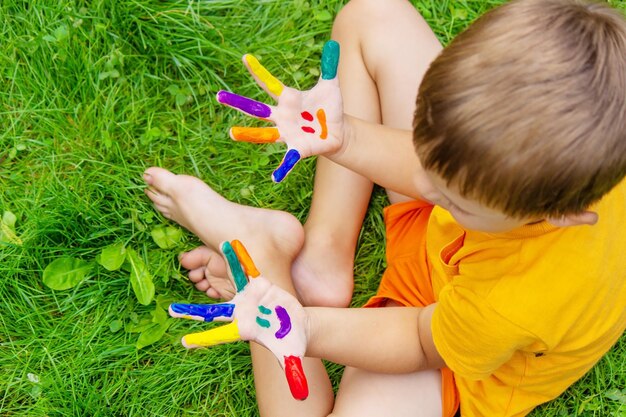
column 244, row 258
column 270, row 83
column 254, row 134
column 223, row 334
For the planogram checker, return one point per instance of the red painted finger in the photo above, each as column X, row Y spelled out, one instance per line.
column 295, row 377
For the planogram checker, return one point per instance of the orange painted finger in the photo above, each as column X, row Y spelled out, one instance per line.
column 245, row 259
column 254, row 134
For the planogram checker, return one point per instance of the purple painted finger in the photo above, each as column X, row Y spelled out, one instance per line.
column 247, row 105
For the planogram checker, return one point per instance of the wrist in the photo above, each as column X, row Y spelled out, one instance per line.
column 311, row 326
column 345, row 138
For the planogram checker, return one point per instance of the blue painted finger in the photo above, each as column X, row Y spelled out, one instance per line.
column 247, row 105
column 235, row 266
column 202, row 312
column 289, row 161
column 330, row 60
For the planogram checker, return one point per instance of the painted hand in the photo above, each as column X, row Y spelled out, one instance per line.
column 259, row 312
column 308, row 122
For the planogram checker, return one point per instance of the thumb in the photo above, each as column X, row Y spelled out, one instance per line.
column 291, row 158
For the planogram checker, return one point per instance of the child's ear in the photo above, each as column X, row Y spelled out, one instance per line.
column 586, row 217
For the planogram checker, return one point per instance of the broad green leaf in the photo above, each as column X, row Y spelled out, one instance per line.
column 152, row 334
column 159, row 315
column 139, row 326
column 8, row 235
column 166, row 237
column 116, row 325
column 61, row 33
column 181, row 99
column 9, row 219
column 616, row 395
column 7, row 229
column 140, row 278
column 112, row 257
column 323, row 15
column 65, row 272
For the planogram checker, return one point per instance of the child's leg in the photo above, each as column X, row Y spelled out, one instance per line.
column 363, row 393
column 273, row 239
column 366, row 394
column 385, row 49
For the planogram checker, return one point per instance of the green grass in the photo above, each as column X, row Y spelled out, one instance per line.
column 92, row 93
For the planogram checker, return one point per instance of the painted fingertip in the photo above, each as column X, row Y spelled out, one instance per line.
column 289, row 161
column 330, row 60
column 182, row 311
column 245, row 259
column 254, row 134
column 220, row 96
column 270, row 82
column 217, row 336
column 235, row 267
column 202, row 312
column 296, row 379
column 244, row 104
column 183, row 342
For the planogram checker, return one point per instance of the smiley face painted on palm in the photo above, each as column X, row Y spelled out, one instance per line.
column 259, row 311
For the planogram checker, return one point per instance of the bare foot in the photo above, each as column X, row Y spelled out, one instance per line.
column 194, row 205
column 328, row 283
column 207, row 270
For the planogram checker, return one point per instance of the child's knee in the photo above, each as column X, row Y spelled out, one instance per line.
column 367, row 14
column 339, row 298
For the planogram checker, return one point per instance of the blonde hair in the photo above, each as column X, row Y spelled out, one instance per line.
column 525, row 111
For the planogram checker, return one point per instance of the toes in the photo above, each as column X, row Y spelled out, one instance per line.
column 196, row 275
column 160, row 201
column 212, row 293
column 203, row 285
column 204, row 257
column 195, row 258
column 216, row 266
column 158, row 179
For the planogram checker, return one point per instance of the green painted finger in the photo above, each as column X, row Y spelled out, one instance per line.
column 235, row 267
column 330, row 60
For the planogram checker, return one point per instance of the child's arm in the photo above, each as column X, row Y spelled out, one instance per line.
column 312, row 123
column 385, row 340
column 391, row 163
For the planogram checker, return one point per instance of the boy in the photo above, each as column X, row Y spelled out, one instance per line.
column 513, row 284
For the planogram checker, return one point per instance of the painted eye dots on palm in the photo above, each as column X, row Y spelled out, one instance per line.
column 259, row 312
column 297, row 121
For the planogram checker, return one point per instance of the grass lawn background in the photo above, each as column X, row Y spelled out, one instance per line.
column 92, row 93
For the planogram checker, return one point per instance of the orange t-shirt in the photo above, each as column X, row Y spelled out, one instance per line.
column 524, row 314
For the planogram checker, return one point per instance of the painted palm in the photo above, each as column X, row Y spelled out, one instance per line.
column 308, row 122
column 259, row 312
